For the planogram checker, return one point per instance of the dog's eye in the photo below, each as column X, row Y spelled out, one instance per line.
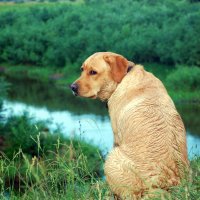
column 81, row 68
column 92, row 72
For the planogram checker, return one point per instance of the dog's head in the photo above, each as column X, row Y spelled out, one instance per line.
column 101, row 73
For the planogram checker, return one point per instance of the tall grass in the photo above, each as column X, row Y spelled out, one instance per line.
column 62, row 175
column 35, row 164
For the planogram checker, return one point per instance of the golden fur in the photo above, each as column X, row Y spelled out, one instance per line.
column 150, row 141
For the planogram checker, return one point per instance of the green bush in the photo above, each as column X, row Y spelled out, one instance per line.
column 62, row 34
column 184, row 79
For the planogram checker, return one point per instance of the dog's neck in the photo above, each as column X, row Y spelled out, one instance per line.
column 107, row 91
column 109, row 88
column 132, row 79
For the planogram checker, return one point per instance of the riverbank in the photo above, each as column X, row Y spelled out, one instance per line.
column 58, row 76
column 36, row 162
column 39, row 165
column 182, row 83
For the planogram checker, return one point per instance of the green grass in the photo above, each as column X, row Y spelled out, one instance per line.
column 24, row 72
column 181, row 82
column 159, row 70
column 57, row 177
column 61, row 76
column 37, row 164
column 49, row 178
column 184, row 83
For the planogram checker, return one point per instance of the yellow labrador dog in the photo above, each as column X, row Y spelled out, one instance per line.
column 150, row 150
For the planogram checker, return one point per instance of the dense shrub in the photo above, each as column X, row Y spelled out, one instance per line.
column 61, row 34
column 184, row 78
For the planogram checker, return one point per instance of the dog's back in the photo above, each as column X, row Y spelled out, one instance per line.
column 150, row 137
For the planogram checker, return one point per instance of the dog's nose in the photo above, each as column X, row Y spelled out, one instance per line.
column 74, row 87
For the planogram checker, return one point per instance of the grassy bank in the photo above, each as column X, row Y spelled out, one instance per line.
column 63, row 173
column 59, row 76
column 38, row 164
column 35, row 164
column 182, row 82
column 61, row 178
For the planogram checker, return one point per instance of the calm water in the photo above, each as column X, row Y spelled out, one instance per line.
column 82, row 118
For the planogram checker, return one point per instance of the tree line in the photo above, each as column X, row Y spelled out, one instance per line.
column 57, row 34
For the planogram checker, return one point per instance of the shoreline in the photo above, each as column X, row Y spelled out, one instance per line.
column 59, row 77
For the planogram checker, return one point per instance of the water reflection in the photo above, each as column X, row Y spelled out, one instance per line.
column 190, row 114
column 79, row 117
column 42, row 94
column 91, row 127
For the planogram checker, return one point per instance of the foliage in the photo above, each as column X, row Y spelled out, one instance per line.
column 189, row 190
column 184, row 77
column 63, row 34
column 35, row 162
column 55, row 179
column 47, row 178
column 33, row 139
column 184, row 84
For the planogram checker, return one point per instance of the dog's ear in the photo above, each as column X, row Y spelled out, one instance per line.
column 118, row 65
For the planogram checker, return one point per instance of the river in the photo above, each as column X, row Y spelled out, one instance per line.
column 82, row 118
